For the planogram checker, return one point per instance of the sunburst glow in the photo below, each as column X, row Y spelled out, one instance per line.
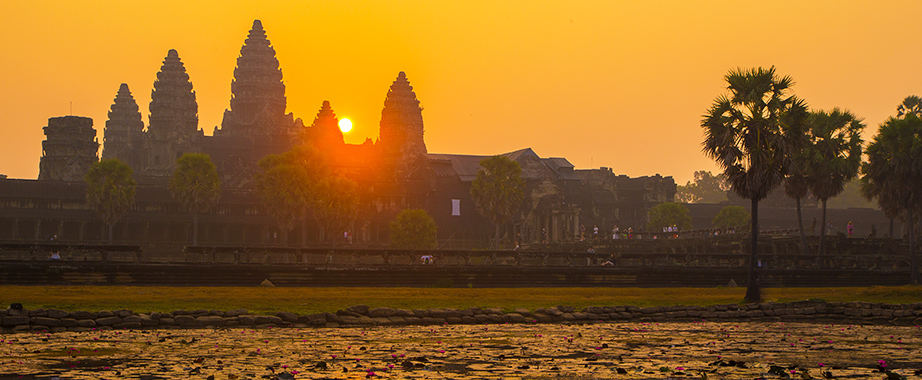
column 345, row 125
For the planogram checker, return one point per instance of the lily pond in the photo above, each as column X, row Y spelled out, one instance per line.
column 699, row 350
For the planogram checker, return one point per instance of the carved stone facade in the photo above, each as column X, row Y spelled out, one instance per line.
column 69, row 149
column 401, row 128
column 124, row 132
column 173, row 128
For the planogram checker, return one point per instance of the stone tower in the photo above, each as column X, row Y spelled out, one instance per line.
column 124, row 132
column 173, row 128
column 257, row 105
column 401, row 128
column 324, row 133
column 69, row 149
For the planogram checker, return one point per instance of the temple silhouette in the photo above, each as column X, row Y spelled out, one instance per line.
column 395, row 171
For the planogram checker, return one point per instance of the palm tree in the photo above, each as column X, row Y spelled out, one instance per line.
column 335, row 203
column 497, row 191
column 744, row 134
column 195, row 184
column 795, row 184
column 893, row 174
column 833, row 154
column 110, row 190
column 911, row 105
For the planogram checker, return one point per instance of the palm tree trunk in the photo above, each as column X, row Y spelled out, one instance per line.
column 110, row 233
column 800, row 224
column 823, row 230
column 304, row 227
column 913, row 264
column 890, row 233
column 753, row 291
column 195, row 228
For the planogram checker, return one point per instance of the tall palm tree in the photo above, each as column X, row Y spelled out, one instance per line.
column 110, row 190
column 744, row 134
column 893, row 174
column 795, row 184
column 833, row 154
column 911, row 105
column 195, row 184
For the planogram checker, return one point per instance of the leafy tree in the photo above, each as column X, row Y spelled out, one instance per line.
column 851, row 197
column 287, row 185
column 195, row 184
column 413, row 229
column 734, row 217
column 110, row 190
column 707, row 188
column 335, row 203
column 911, row 105
column 668, row 214
column 893, row 174
column 834, row 155
column 497, row 191
column 743, row 133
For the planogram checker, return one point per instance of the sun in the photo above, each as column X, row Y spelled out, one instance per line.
column 345, row 125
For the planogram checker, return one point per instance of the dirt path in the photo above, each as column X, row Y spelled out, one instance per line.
column 528, row 351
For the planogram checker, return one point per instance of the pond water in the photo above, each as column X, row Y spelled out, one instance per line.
column 702, row 350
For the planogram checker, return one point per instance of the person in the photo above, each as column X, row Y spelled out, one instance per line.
column 615, row 232
column 850, row 228
column 595, row 232
column 829, row 228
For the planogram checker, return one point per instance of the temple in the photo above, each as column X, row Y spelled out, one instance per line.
column 393, row 173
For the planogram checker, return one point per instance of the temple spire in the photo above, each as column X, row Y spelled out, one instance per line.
column 324, row 132
column 258, row 102
column 123, row 134
column 173, row 128
column 401, row 128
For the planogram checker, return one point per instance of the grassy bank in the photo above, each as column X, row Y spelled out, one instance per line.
column 313, row 300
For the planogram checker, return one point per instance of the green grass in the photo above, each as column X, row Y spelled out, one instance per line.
column 313, row 300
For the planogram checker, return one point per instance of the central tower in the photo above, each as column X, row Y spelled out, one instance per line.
column 257, row 105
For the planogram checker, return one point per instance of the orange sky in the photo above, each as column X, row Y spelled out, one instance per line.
column 602, row 83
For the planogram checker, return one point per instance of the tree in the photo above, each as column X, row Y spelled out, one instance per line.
column 110, row 190
column 743, row 133
column 668, row 214
column 734, row 217
column 413, row 229
column 911, row 105
column 707, row 188
column 286, row 185
column 195, row 184
column 793, row 125
column 335, row 203
column 893, row 174
column 834, row 155
column 497, row 191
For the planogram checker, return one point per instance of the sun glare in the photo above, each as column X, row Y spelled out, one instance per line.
column 345, row 125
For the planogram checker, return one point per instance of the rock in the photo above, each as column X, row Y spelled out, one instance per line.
column 437, row 313
column 235, row 313
column 267, row 284
column 45, row 321
column 15, row 320
column 268, row 319
column 382, row 312
column 732, row 284
column 83, row 315
column 246, row 319
column 54, row 313
column 184, row 320
column 69, row 322
column 132, row 318
column 86, row 323
column 104, row 314
column 396, row 320
column 210, row 320
column 566, row 309
column 515, row 318
column 108, row 321
column 122, row 313
column 360, row 309
column 127, row 325
column 287, row 317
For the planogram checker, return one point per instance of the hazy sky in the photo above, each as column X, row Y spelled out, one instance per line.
column 603, row 83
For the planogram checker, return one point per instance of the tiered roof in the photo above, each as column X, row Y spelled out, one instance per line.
column 324, row 131
column 124, row 128
column 258, row 100
column 173, row 109
column 402, row 121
